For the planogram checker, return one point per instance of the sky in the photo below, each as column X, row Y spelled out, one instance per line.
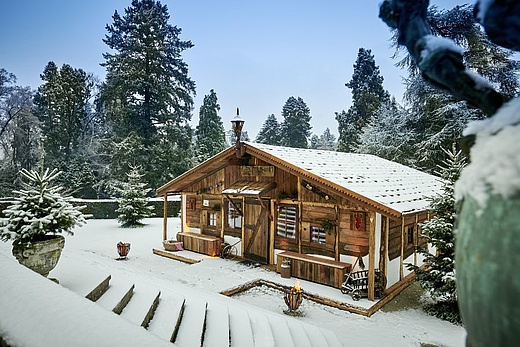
column 255, row 55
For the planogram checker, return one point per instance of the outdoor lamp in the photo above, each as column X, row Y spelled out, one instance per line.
column 237, row 124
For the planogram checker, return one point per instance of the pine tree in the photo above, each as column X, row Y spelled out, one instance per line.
column 437, row 119
column 438, row 277
column 147, row 83
column 367, row 96
column 133, row 203
column 388, row 135
column 348, row 129
column 62, row 105
column 326, row 141
column 147, row 92
column 295, row 128
column 210, row 134
column 40, row 209
column 269, row 134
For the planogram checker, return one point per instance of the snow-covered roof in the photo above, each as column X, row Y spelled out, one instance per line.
column 391, row 184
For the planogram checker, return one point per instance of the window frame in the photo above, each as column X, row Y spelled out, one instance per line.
column 286, row 228
column 233, row 215
column 212, row 218
column 321, row 238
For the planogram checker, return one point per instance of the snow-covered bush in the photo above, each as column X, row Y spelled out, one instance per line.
column 438, row 275
column 133, row 204
column 39, row 210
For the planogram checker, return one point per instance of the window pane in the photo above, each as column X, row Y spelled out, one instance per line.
column 318, row 235
column 234, row 218
column 286, row 222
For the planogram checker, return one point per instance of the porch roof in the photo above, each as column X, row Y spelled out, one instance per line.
column 248, row 188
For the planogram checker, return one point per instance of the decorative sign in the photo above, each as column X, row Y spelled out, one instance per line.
column 192, row 203
column 264, row 171
column 205, row 203
column 357, row 221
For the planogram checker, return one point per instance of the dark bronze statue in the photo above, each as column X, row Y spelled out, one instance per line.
column 440, row 63
column 488, row 231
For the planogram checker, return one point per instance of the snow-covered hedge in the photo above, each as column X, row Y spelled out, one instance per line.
column 105, row 209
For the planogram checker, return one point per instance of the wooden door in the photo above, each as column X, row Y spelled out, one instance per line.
column 256, row 231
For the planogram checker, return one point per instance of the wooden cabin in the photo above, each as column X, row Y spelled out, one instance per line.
column 321, row 210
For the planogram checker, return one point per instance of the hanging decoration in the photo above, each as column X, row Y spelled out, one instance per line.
column 317, row 191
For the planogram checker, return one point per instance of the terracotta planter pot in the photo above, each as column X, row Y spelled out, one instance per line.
column 40, row 256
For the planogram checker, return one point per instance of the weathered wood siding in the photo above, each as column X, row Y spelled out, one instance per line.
column 314, row 216
column 353, row 240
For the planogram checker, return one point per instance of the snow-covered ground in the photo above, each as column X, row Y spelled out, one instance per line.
column 94, row 245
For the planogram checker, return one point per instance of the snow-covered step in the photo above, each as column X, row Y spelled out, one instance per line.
column 79, row 278
column 192, row 324
column 167, row 317
column 315, row 335
column 331, row 338
column 117, row 296
column 142, row 306
column 298, row 334
column 217, row 326
column 262, row 333
column 282, row 335
column 240, row 329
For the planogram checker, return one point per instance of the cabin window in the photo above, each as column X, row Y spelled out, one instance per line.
column 212, row 219
column 286, row 222
column 318, row 235
column 410, row 234
column 234, row 217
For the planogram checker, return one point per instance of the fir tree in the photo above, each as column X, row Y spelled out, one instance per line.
column 210, row 134
column 437, row 119
column 388, row 136
column 438, row 276
column 348, row 129
column 133, row 203
column 39, row 210
column 326, row 141
column 295, row 128
column 62, row 105
column 269, row 134
column 147, row 93
column 147, row 82
column 367, row 96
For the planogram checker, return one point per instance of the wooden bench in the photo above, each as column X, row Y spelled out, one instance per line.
column 200, row 243
column 315, row 269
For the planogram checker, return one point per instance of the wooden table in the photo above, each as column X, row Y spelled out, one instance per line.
column 315, row 269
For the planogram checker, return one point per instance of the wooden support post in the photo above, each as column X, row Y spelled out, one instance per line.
column 384, row 267
column 235, row 206
column 383, row 248
column 300, row 227
column 401, row 258
column 272, row 234
column 165, row 217
column 371, row 256
column 415, row 239
column 336, row 235
column 243, row 229
column 223, row 218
